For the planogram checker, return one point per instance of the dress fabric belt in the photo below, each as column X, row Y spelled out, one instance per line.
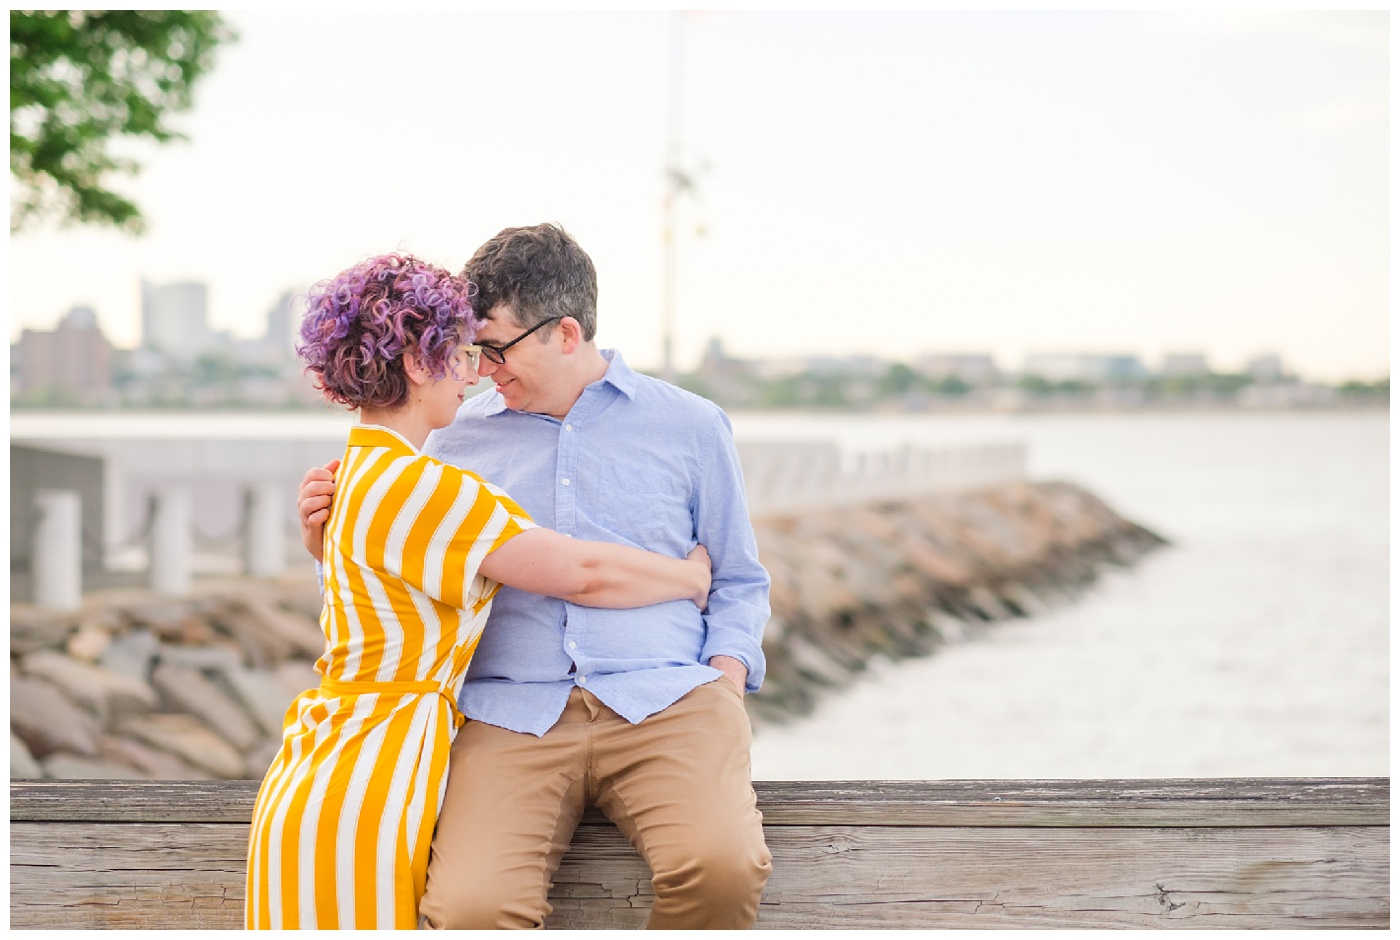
column 338, row 688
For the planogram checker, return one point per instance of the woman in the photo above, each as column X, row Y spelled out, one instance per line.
column 415, row 550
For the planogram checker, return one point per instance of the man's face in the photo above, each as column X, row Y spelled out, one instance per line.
column 530, row 379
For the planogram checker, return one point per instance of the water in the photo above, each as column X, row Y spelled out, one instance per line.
column 1257, row 645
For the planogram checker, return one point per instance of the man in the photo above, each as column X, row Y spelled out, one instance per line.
column 637, row 712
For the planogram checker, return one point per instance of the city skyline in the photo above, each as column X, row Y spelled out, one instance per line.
column 174, row 322
column 870, row 183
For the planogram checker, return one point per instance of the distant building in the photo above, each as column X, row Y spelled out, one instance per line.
column 75, row 358
column 1084, row 367
column 175, row 319
column 717, row 362
column 1292, row 394
column 851, row 366
column 1266, row 368
column 972, row 368
column 1184, row 364
column 282, row 321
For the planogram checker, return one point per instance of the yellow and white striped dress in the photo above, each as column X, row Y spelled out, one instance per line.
column 344, row 820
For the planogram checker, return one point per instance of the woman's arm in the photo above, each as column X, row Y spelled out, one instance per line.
column 597, row 574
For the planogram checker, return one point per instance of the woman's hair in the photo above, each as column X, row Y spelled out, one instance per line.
column 359, row 324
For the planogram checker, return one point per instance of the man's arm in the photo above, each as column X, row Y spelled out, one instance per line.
column 738, row 607
column 314, row 506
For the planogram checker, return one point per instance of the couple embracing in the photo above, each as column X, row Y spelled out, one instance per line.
column 543, row 599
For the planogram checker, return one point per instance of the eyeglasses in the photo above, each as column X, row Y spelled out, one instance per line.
column 497, row 354
column 473, row 354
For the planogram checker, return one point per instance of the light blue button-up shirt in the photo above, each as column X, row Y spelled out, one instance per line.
column 635, row 461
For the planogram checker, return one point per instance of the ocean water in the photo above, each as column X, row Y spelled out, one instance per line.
column 1257, row 644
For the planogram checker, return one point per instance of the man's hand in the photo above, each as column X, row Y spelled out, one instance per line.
column 734, row 670
column 314, row 506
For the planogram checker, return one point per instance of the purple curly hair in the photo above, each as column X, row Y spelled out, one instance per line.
column 359, row 324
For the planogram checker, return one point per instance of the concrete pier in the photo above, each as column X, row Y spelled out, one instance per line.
column 265, row 538
column 57, row 551
column 171, row 541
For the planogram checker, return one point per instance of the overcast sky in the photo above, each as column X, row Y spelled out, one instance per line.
column 891, row 184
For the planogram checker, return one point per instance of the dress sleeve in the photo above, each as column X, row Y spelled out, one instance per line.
column 474, row 518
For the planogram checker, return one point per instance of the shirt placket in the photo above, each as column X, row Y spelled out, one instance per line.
column 566, row 521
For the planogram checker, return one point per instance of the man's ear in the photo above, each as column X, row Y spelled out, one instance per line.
column 572, row 333
column 413, row 367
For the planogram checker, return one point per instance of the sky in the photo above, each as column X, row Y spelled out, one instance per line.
column 889, row 184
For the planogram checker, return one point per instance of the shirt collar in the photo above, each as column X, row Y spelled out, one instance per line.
column 375, row 435
column 619, row 375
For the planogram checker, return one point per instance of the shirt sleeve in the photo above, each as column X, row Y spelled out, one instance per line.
column 738, row 607
column 463, row 521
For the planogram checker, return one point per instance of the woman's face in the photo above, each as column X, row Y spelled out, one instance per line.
column 445, row 395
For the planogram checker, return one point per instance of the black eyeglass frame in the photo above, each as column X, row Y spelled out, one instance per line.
column 497, row 354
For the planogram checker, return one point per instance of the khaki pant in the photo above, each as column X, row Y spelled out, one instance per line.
column 677, row 785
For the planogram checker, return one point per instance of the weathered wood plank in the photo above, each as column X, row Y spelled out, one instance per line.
column 1359, row 801
column 172, row 875
column 861, row 877
column 129, row 876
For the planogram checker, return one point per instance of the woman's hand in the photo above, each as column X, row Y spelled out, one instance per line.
column 701, row 558
column 314, row 506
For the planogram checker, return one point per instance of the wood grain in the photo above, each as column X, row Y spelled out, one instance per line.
column 1363, row 801
column 172, row 855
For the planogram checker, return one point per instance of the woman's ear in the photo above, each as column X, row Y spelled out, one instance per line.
column 413, row 367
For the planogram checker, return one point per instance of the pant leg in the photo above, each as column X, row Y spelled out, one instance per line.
column 513, row 801
column 678, row 786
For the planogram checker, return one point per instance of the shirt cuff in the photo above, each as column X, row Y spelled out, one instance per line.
column 743, row 648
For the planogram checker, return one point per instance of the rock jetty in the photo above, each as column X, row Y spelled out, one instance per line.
column 900, row 578
column 140, row 686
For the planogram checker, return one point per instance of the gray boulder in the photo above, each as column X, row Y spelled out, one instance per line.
column 47, row 721
column 103, row 692
column 23, row 766
column 188, row 739
column 190, row 691
column 70, row 767
column 264, row 697
column 295, row 677
column 32, row 628
column 257, row 762
column 131, row 654
column 152, row 763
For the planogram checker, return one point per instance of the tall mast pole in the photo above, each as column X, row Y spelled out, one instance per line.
column 675, row 181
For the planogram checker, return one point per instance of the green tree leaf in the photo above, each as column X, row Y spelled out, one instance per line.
column 80, row 79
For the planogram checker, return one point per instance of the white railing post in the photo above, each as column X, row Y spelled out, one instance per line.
column 171, row 541
column 264, row 544
column 57, row 550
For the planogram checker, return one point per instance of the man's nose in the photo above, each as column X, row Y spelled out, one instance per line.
column 484, row 367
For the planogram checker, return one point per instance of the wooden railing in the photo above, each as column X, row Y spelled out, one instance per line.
column 780, row 477
column 792, row 476
column 1274, row 852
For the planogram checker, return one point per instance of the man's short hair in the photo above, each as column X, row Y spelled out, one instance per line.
column 541, row 272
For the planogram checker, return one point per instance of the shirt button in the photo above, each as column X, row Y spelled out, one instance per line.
column 573, row 645
column 565, row 481
column 568, row 427
column 582, row 680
